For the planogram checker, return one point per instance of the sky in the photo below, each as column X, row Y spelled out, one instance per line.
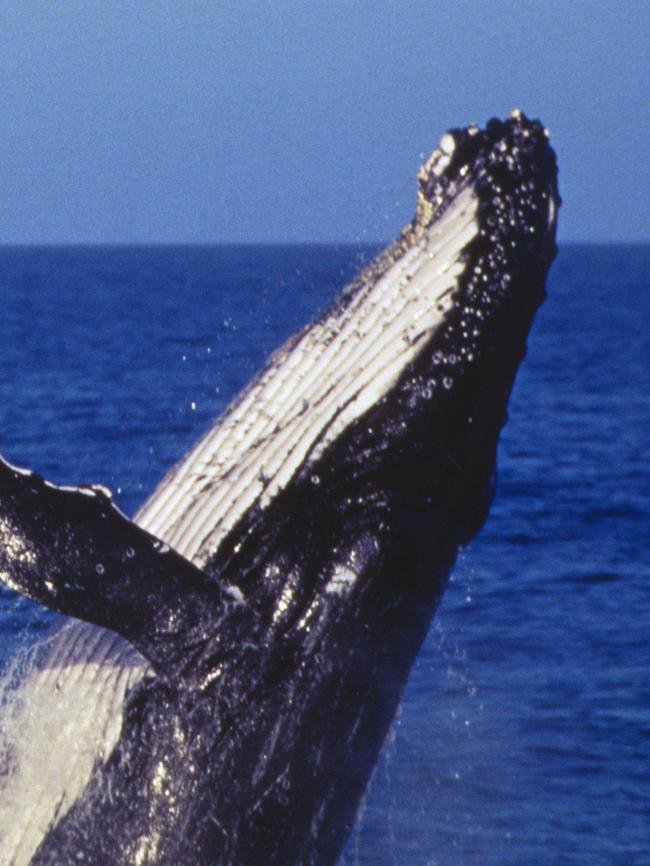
column 183, row 121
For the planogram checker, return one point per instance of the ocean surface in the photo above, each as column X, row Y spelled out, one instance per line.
column 524, row 733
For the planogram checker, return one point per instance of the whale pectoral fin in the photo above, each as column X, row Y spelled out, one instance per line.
column 72, row 550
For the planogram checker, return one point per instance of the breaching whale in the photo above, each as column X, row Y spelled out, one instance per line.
column 245, row 640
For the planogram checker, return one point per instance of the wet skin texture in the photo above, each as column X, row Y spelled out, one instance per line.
column 271, row 688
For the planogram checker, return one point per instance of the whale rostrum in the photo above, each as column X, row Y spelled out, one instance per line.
column 245, row 640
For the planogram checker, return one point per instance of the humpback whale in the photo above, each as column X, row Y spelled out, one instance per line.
column 237, row 652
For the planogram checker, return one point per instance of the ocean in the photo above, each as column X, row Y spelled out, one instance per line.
column 523, row 738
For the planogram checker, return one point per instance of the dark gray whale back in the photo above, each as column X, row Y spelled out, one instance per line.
column 320, row 520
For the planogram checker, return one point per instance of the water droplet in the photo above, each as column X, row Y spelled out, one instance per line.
column 447, row 382
column 130, row 553
column 99, row 568
column 315, row 479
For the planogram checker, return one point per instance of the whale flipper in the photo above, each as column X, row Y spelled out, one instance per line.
column 73, row 551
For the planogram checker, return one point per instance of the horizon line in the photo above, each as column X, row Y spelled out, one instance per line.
column 277, row 243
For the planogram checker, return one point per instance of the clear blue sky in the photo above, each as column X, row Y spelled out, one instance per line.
column 193, row 121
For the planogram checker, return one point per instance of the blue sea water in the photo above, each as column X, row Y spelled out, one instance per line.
column 524, row 733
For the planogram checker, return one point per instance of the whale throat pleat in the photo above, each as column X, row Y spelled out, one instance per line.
column 313, row 388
